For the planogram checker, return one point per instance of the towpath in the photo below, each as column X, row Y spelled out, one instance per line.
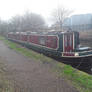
column 31, row 74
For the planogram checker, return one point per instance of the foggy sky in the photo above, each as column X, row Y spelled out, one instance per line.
column 9, row 8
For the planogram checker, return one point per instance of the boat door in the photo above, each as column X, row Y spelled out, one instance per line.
column 68, row 42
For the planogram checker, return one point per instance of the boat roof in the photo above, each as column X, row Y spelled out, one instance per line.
column 42, row 33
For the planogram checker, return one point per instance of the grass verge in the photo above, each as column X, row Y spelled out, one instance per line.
column 82, row 81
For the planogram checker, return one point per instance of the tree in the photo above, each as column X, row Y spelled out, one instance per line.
column 59, row 15
column 3, row 27
column 27, row 22
column 15, row 23
column 33, row 22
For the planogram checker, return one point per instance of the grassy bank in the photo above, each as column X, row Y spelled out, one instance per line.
column 81, row 80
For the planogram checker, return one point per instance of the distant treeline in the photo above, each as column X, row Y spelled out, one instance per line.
column 27, row 22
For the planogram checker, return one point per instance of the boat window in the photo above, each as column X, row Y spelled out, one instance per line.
column 66, row 41
column 42, row 40
column 70, row 40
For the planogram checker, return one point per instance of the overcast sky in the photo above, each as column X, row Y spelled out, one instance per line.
column 9, row 8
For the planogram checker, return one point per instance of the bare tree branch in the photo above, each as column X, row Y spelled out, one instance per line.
column 59, row 15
